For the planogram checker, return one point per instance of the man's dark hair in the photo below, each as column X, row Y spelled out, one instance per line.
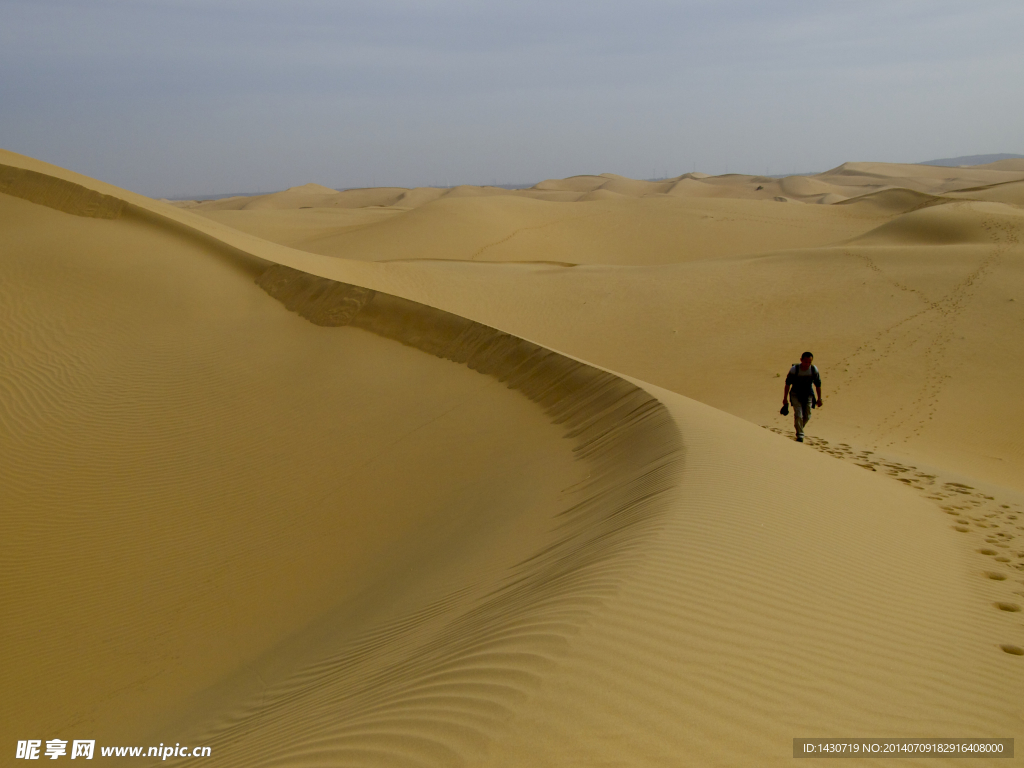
column 805, row 355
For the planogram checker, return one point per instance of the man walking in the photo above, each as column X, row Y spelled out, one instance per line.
column 799, row 380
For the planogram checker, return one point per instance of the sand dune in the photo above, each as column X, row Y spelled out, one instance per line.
column 1016, row 165
column 314, row 510
column 606, row 228
column 573, row 184
column 952, row 224
column 849, row 180
column 925, row 178
column 924, row 281
column 892, row 201
column 1010, row 192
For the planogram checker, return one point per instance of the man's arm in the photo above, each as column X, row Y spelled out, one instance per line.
column 818, row 387
column 785, row 393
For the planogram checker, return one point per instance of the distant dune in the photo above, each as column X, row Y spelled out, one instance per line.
column 481, row 476
column 848, row 180
column 955, row 162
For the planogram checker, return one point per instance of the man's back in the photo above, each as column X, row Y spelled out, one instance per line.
column 803, row 381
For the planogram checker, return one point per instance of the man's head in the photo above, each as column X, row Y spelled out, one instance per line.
column 805, row 360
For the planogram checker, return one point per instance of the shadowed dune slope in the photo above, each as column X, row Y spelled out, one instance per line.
column 306, row 511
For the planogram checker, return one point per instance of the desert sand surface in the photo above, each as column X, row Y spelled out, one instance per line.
column 497, row 477
column 911, row 292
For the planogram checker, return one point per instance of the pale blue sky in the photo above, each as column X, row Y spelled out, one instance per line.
column 173, row 97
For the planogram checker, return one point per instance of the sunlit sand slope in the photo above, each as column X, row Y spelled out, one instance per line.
column 606, row 219
column 629, row 231
column 272, row 503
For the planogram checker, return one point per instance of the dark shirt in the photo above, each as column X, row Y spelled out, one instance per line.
column 801, row 382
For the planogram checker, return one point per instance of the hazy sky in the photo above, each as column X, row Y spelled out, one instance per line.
column 173, row 97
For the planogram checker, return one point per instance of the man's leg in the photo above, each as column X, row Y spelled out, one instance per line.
column 801, row 414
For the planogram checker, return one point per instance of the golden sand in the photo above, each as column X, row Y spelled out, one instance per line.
column 479, row 476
